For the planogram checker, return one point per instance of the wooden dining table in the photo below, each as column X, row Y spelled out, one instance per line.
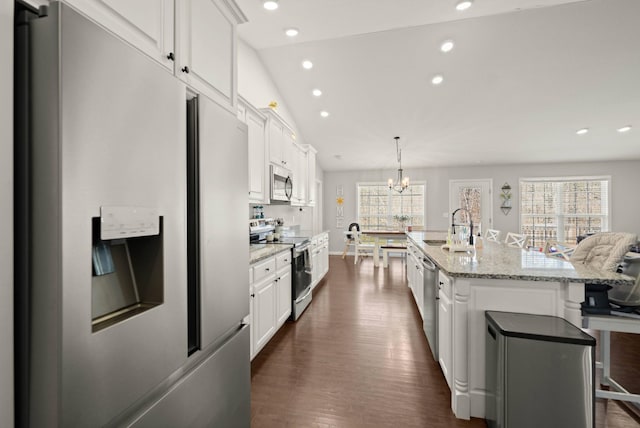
column 381, row 236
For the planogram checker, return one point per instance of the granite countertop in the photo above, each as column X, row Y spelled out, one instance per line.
column 498, row 261
column 258, row 252
column 301, row 233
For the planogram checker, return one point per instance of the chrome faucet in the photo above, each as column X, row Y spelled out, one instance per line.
column 453, row 223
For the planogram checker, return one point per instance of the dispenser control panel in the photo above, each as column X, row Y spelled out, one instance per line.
column 128, row 222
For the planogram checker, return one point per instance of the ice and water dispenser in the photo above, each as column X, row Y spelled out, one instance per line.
column 127, row 264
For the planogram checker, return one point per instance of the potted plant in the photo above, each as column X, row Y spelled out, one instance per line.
column 401, row 219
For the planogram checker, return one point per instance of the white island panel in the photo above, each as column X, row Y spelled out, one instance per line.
column 500, row 278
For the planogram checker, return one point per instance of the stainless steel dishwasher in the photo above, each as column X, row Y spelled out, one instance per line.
column 430, row 305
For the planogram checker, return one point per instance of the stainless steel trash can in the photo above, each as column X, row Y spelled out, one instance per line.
column 539, row 372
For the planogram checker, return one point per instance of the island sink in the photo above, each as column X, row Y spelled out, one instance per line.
column 435, row 242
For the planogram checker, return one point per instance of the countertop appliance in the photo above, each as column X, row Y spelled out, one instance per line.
column 540, row 372
column 281, row 185
column 129, row 292
column 301, row 266
column 430, row 309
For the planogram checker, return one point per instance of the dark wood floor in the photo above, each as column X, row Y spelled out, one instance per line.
column 358, row 358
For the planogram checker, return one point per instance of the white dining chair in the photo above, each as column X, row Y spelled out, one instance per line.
column 492, row 235
column 363, row 248
column 516, row 240
column 558, row 249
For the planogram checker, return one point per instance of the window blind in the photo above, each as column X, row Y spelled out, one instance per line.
column 563, row 208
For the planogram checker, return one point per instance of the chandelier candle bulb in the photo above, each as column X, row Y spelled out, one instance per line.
column 403, row 182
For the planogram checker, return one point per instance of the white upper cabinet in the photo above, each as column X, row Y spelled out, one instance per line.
column 284, row 151
column 146, row 24
column 288, row 148
column 276, row 142
column 281, row 140
column 207, row 42
column 201, row 50
column 311, row 176
column 256, row 124
column 300, row 178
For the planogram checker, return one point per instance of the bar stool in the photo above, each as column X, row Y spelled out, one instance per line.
column 492, row 235
column 516, row 240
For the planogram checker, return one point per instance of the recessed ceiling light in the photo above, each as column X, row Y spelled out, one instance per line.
column 307, row 65
column 291, row 32
column 463, row 5
column 446, row 46
column 625, row 129
column 437, row 79
column 316, row 92
column 270, row 4
column 582, row 131
column 324, row 113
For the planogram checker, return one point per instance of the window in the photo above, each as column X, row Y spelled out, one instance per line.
column 377, row 205
column 563, row 208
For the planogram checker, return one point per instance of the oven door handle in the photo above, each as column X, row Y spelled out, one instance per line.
column 300, row 299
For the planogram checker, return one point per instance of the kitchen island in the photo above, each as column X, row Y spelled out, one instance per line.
column 497, row 278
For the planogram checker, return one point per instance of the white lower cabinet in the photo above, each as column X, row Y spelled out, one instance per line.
column 270, row 288
column 319, row 258
column 283, row 287
column 264, row 313
column 445, row 324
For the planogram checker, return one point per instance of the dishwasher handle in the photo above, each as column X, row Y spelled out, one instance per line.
column 428, row 264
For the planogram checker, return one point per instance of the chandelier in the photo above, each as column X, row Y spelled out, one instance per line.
column 402, row 182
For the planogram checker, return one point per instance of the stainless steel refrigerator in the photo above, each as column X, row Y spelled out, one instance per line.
column 132, row 282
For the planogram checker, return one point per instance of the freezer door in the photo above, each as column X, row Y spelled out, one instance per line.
column 224, row 246
column 214, row 394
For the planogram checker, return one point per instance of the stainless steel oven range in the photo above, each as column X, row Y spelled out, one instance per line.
column 301, row 266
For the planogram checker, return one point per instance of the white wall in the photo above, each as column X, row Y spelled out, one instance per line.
column 256, row 85
column 625, row 197
column 6, row 213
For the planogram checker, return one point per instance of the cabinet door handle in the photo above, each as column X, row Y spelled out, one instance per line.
column 185, row 69
column 253, row 294
column 267, row 269
column 441, row 283
column 171, row 56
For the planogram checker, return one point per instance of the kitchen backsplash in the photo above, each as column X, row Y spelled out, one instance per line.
column 293, row 216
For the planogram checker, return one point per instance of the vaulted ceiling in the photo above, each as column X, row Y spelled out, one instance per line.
column 522, row 78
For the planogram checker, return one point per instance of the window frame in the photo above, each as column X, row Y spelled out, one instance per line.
column 389, row 194
column 566, row 179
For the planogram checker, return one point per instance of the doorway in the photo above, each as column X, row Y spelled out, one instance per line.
column 475, row 197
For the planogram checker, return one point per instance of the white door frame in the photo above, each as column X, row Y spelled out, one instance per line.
column 487, row 197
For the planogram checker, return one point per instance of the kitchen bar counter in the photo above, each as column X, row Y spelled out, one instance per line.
column 496, row 278
column 498, row 261
column 258, row 252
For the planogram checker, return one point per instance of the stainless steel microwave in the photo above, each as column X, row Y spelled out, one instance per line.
column 281, row 185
